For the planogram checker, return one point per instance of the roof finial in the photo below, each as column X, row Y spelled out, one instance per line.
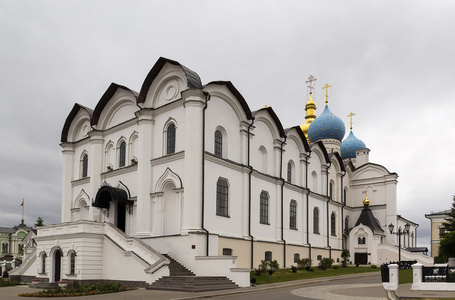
column 350, row 115
column 326, row 87
column 310, row 82
column 366, row 201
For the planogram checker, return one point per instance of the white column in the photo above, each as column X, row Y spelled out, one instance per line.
column 194, row 102
column 144, row 173
column 95, row 167
column 67, row 177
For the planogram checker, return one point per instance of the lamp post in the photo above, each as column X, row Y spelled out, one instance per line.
column 399, row 233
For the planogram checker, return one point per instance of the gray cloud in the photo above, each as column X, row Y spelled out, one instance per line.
column 389, row 62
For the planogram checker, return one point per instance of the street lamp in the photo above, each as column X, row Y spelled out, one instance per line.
column 399, row 233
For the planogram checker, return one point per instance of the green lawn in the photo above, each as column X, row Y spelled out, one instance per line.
column 405, row 276
column 287, row 275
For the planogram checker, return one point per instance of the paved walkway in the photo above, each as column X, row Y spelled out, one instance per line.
column 335, row 291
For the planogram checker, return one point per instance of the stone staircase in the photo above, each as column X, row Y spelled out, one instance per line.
column 192, row 283
column 183, row 280
column 176, row 268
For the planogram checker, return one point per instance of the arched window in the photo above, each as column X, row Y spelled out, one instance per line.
column 333, row 220
column 268, row 255
column 170, row 139
column 314, row 176
column 122, row 154
column 43, row 263
column 296, row 257
column 316, row 220
column 293, row 214
column 345, row 193
column 73, row 263
column 289, row 179
column 361, row 241
column 264, row 208
column 84, row 165
column 222, row 198
column 346, row 225
column 4, row 247
column 331, row 191
column 218, row 144
column 21, row 249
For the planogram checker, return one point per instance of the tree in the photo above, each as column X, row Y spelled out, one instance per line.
column 39, row 222
column 446, row 248
column 449, row 225
column 345, row 255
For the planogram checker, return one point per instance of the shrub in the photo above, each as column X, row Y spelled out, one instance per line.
column 304, row 263
column 325, row 263
column 274, row 266
column 335, row 267
column 374, row 266
column 345, row 255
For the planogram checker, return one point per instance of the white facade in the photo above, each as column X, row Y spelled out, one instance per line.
column 191, row 171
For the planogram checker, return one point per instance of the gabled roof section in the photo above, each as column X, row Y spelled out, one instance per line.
column 301, row 135
column 367, row 218
column 339, row 159
column 324, row 150
column 194, row 81
column 70, row 118
column 237, row 94
column 274, row 118
column 373, row 164
column 108, row 94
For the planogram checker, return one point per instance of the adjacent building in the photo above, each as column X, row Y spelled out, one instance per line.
column 438, row 230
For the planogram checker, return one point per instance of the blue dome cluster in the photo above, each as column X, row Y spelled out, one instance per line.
column 326, row 126
column 350, row 145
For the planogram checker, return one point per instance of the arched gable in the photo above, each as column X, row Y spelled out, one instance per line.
column 319, row 149
column 117, row 105
column 77, row 124
column 336, row 161
column 168, row 176
column 268, row 116
column 165, row 81
column 226, row 91
column 371, row 170
column 296, row 134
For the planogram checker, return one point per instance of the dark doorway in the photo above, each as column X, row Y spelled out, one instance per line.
column 121, row 216
column 361, row 258
column 57, row 265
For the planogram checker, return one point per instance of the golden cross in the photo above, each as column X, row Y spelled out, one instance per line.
column 310, row 81
column 350, row 115
column 326, row 87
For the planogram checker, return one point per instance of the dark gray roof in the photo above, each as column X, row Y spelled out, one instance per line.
column 7, row 230
column 367, row 218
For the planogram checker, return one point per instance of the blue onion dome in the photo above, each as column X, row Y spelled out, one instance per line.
column 350, row 145
column 326, row 126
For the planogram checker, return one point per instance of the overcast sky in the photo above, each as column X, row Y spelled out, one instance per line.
column 389, row 62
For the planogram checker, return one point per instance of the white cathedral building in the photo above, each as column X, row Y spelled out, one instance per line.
column 188, row 170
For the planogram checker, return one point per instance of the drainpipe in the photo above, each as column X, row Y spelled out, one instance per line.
column 328, row 220
column 342, row 212
column 307, row 207
column 282, row 202
column 249, row 193
column 207, row 95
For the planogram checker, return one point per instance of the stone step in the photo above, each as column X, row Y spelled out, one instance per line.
column 176, row 268
column 192, row 283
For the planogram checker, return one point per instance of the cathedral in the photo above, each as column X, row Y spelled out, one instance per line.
column 187, row 171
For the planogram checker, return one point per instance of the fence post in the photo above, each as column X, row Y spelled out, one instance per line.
column 416, row 276
column 392, row 285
